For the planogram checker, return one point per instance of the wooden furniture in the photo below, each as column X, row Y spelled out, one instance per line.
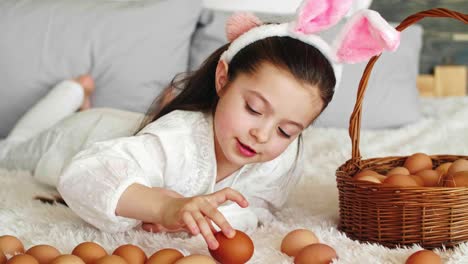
column 448, row 80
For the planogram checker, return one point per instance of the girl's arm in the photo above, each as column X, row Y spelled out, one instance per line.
column 171, row 211
column 144, row 203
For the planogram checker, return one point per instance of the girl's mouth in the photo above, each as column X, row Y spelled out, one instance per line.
column 245, row 150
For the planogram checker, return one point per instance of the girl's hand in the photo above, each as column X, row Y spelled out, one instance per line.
column 196, row 213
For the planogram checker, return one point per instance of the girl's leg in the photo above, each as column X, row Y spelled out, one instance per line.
column 64, row 99
column 25, row 144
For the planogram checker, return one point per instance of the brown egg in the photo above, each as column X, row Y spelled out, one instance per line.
column 111, row 259
column 196, row 259
column 11, row 245
column 418, row 162
column 457, row 179
column 3, row 258
column 398, row 170
column 43, row 253
column 67, row 259
column 368, row 178
column 419, row 180
column 401, row 181
column 22, row 259
column 424, row 257
column 368, row 172
column 296, row 240
column 131, row 253
column 165, row 256
column 458, row 165
column 443, row 168
column 89, row 252
column 315, row 254
column 238, row 249
column 431, row 178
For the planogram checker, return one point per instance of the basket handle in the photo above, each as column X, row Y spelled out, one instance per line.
column 355, row 120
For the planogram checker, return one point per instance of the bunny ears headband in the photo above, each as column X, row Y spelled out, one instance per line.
column 366, row 34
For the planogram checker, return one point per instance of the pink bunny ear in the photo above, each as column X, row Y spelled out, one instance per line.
column 317, row 15
column 240, row 23
column 365, row 35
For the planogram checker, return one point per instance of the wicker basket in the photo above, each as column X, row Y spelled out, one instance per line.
column 395, row 216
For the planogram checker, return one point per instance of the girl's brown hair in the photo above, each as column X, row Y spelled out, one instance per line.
column 198, row 92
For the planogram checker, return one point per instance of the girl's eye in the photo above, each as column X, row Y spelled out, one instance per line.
column 284, row 133
column 250, row 109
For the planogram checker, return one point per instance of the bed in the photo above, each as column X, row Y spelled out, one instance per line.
column 313, row 204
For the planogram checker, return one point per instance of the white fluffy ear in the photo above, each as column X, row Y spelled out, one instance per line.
column 317, row 15
column 366, row 34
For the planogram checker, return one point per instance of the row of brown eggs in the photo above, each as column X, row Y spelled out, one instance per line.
column 12, row 252
column 418, row 171
column 304, row 246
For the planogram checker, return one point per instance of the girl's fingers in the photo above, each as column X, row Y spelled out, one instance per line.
column 230, row 194
column 213, row 229
column 218, row 218
column 205, row 230
column 190, row 223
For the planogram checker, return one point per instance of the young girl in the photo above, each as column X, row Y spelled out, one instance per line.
column 226, row 150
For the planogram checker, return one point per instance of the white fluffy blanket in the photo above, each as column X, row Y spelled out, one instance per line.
column 312, row 205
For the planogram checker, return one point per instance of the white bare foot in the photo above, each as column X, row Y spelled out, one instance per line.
column 87, row 82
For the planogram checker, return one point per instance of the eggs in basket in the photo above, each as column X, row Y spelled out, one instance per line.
column 418, row 170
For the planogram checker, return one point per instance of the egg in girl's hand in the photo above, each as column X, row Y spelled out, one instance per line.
column 89, row 252
column 296, row 240
column 67, row 259
column 10, row 245
column 165, row 256
column 236, row 250
column 111, row 259
column 418, row 162
column 315, row 254
column 424, row 257
column 43, row 253
column 22, row 259
column 131, row 253
column 196, row 259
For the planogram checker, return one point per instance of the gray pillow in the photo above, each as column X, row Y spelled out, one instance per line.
column 391, row 98
column 131, row 48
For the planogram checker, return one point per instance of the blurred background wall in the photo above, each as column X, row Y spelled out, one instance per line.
column 445, row 39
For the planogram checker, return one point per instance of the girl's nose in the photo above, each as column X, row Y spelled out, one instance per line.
column 262, row 135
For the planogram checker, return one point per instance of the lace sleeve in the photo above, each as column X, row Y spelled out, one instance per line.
column 96, row 178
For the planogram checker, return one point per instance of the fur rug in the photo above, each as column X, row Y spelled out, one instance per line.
column 312, row 205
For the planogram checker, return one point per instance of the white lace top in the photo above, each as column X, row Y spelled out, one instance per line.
column 174, row 152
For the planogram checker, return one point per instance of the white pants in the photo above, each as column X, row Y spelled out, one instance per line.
column 47, row 137
column 62, row 100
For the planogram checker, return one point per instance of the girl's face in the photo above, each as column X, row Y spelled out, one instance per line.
column 258, row 115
